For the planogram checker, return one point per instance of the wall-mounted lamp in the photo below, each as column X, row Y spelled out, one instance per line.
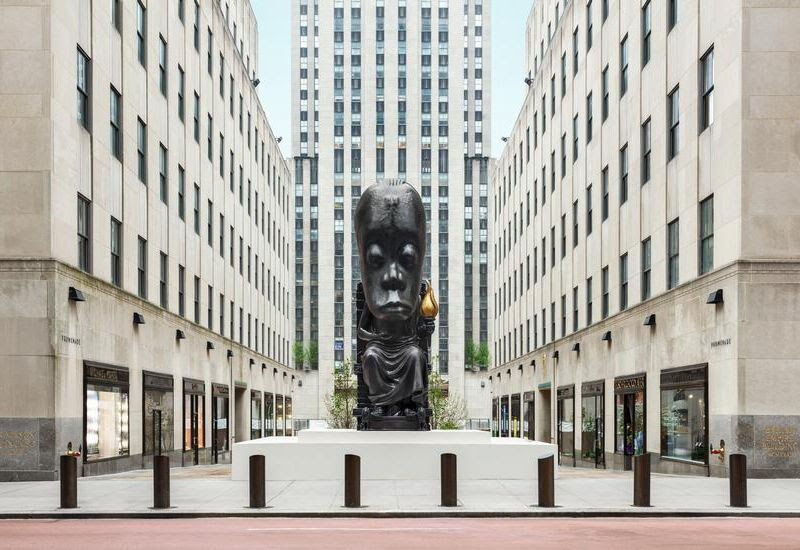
column 504, row 139
column 179, row 335
column 209, row 345
column 508, row 372
column 483, row 383
column 256, row 82
column 519, row 368
column 715, row 297
column 252, row 362
column 650, row 320
column 229, row 354
column 274, row 371
column 606, row 336
column 299, row 383
column 263, row 367
column 577, row 347
column 138, row 319
column 284, row 376
column 279, row 139
column 76, row 295
column 555, row 355
column 528, row 80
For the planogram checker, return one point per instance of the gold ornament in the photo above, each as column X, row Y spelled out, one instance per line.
column 429, row 307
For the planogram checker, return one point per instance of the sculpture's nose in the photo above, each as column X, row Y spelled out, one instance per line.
column 393, row 278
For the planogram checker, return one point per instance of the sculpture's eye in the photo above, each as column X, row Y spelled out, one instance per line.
column 408, row 256
column 375, row 256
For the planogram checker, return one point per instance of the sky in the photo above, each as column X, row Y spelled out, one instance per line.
column 508, row 66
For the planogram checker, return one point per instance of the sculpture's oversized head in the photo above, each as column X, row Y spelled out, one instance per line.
column 390, row 229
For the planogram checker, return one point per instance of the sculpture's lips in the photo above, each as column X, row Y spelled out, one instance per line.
column 395, row 307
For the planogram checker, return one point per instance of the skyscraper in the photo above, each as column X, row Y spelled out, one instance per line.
column 386, row 89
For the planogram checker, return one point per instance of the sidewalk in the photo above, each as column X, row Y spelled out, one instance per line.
column 208, row 491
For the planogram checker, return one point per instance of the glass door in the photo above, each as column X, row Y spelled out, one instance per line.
column 193, row 420
column 566, row 428
column 515, row 418
column 592, row 445
column 219, row 426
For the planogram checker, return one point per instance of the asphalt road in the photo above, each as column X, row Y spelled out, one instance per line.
column 461, row 533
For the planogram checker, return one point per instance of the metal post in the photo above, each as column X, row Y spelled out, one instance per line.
column 547, row 493
column 69, row 481
column 157, row 432
column 449, row 480
column 738, row 480
column 352, row 481
column 258, row 488
column 641, row 480
column 160, row 481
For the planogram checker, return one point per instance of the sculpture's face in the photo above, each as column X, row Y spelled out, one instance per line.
column 390, row 228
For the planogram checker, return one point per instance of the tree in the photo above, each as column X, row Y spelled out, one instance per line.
column 470, row 353
column 482, row 356
column 312, row 355
column 448, row 412
column 343, row 400
column 299, row 354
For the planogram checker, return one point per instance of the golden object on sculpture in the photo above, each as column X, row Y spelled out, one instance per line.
column 429, row 306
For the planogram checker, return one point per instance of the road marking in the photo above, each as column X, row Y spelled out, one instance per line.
column 353, row 529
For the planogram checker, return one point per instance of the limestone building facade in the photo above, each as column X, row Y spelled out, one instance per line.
column 145, row 236
column 645, row 252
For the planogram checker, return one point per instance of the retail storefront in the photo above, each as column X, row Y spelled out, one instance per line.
column 592, row 424
column 288, row 415
column 194, row 418
column 106, row 404
column 528, row 415
column 516, row 421
column 684, row 415
column 566, row 425
column 255, row 414
column 495, row 421
column 269, row 415
column 220, row 421
column 504, row 402
column 279, row 415
column 630, row 418
column 158, row 413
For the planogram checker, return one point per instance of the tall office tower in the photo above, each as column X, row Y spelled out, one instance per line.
column 145, row 245
column 645, row 245
column 389, row 89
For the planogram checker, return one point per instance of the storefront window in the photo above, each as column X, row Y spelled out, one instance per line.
column 528, row 416
column 495, row 425
column 158, row 396
column 515, row 419
column 630, row 417
column 504, row 416
column 106, row 405
column 592, row 444
column 279, row 415
column 219, row 419
column 255, row 414
column 566, row 422
column 288, row 415
column 684, row 411
column 269, row 415
column 194, row 417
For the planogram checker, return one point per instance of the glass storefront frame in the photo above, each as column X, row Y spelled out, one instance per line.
column 220, row 420
column 279, row 418
column 112, row 407
column 630, row 417
column 688, row 388
column 504, row 404
column 516, row 421
column 287, row 411
column 256, row 399
column 158, row 393
column 269, row 414
column 194, row 417
column 495, row 413
column 528, row 415
column 566, row 423
column 593, row 423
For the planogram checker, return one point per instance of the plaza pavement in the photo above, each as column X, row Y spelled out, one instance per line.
column 208, row 491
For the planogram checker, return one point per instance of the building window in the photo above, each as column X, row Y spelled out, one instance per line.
column 197, row 300
column 83, row 89
column 181, row 94
column 115, row 116
column 589, row 118
column 106, row 406
column 162, row 65
column 605, row 90
column 210, row 225
column 181, row 193
column 141, row 30
column 574, row 138
column 142, row 269
column 646, row 149
column 162, row 280
column 646, row 269
column 588, row 301
column 623, row 66
column 707, row 235
column 623, row 174
column 141, row 150
column 672, row 14
column 605, row 9
column 604, row 283
column 623, row 282
column 647, row 30
column 673, row 120
column 604, row 185
column 196, row 209
column 210, row 308
column 84, row 234
column 684, row 414
column 673, row 250
column 116, row 252
column 575, row 309
column 589, row 212
column 181, row 291
column 707, row 90
column 162, row 173
column 197, row 117
column 116, row 15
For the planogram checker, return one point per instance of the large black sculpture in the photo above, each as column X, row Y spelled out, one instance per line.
column 395, row 308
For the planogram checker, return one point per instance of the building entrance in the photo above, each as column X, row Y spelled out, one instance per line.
column 592, row 419
column 630, row 418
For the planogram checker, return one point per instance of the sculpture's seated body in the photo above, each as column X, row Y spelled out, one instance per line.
column 393, row 336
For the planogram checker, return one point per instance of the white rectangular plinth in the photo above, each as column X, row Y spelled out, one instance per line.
column 319, row 455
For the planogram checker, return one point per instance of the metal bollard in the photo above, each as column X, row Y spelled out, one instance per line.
column 737, row 475
column 160, row 481
column 449, row 480
column 258, row 488
column 352, row 481
column 69, row 481
column 547, row 493
column 641, row 480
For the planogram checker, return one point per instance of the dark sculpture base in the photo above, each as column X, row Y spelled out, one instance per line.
column 371, row 422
